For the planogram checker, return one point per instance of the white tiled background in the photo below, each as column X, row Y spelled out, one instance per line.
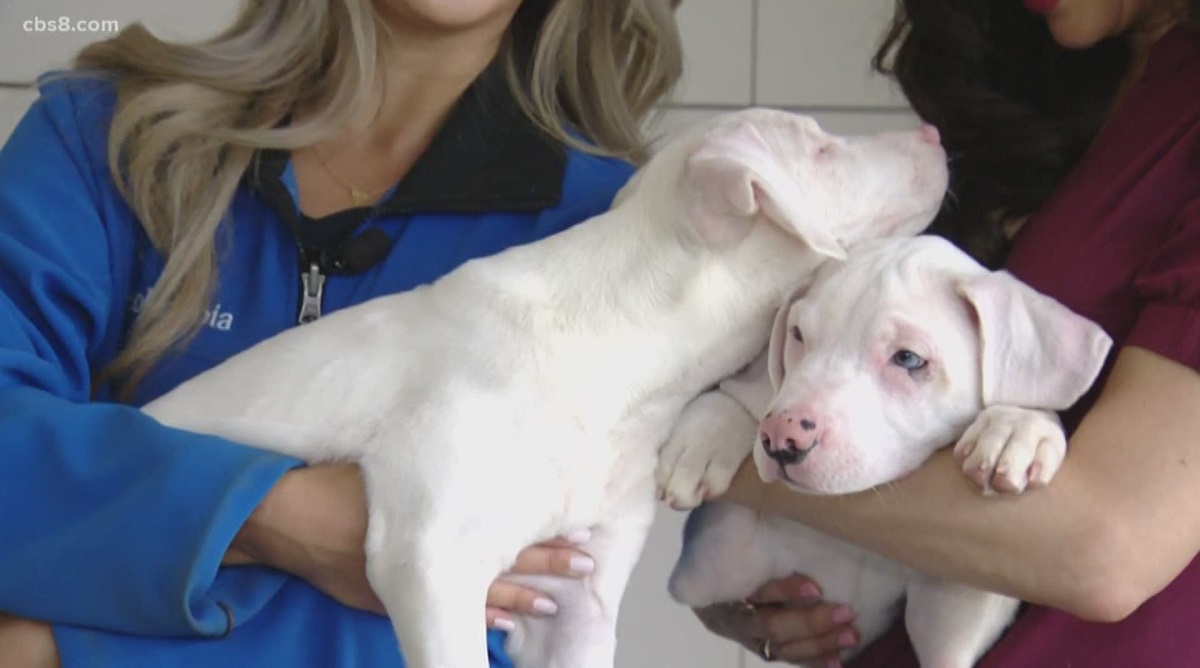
column 807, row 55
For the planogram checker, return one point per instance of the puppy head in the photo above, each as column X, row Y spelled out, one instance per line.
column 889, row 356
column 766, row 166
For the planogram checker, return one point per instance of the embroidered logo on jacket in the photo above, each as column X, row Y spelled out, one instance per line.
column 214, row 318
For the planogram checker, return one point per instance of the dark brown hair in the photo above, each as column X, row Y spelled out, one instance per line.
column 1015, row 110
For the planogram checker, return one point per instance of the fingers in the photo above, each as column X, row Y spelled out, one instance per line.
column 573, row 539
column 505, row 598
column 500, row 619
column 792, row 590
column 550, row 560
column 805, row 634
column 553, row 557
column 797, row 633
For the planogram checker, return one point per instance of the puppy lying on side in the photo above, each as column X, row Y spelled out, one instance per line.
column 883, row 360
column 561, row 364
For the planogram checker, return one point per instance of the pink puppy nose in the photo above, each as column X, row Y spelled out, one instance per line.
column 786, row 438
column 930, row 134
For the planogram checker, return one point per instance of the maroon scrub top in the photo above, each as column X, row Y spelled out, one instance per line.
column 1119, row 242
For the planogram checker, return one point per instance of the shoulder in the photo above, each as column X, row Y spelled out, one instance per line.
column 83, row 100
column 72, row 109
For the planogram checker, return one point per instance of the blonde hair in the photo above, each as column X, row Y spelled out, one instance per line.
column 190, row 118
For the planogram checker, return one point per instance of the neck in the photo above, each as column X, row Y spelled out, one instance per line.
column 420, row 77
column 1142, row 37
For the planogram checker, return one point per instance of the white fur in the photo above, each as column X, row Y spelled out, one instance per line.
column 524, row 395
column 831, row 381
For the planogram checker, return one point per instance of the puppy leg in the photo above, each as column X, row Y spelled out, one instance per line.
column 952, row 626
column 430, row 568
column 583, row 634
column 1008, row 448
column 723, row 558
column 714, row 435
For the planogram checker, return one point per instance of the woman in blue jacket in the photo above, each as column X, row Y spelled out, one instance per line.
column 165, row 206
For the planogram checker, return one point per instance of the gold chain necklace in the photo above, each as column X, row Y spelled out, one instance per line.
column 358, row 197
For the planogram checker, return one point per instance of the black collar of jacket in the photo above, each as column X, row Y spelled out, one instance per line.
column 488, row 156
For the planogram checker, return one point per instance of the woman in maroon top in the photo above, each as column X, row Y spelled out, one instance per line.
column 1074, row 132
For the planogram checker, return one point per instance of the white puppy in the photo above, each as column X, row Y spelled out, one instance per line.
column 883, row 360
column 524, row 395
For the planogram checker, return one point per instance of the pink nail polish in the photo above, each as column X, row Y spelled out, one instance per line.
column 842, row 615
column 846, row 639
column 504, row 624
column 809, row 590
column 545, row 606
column 579, row 536
column 582, row 565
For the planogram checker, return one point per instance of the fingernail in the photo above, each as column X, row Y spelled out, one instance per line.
column 579, row 536
column 833, row 663
column 545, row 606
column 503, row 624
column 810, row 591
column 842, row 615
column 581, row 565
column 847, row 639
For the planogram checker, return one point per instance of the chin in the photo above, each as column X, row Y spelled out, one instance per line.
column 1082, row 28
column 447, row 15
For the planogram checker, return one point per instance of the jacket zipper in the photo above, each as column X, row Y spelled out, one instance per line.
column 314, row 273
column 312, row 291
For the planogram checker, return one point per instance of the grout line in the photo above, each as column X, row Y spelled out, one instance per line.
column 17, row 85
column 754, row 52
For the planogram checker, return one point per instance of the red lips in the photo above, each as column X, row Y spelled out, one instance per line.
column 1041, row 6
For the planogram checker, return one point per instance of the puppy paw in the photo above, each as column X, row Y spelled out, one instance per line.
column 1008, row 449
column 704, row 452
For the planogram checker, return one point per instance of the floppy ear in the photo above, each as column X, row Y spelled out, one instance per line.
column 1034, row 351
column 779, row 336
column 733, row 176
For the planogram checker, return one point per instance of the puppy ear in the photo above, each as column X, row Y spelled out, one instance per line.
column 733, row 176
column 779, row 337
column 1034, row 351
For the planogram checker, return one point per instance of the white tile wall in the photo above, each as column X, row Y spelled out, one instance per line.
column 718, row 39
column 12, row 106
column 807, row 55
column 818, row 53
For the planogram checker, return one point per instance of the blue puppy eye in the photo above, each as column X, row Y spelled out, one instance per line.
column 909, row 360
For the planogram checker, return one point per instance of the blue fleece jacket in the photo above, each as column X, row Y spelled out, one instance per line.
column 112, row 527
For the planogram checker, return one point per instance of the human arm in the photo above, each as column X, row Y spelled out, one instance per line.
column 111, row 519
column 1104, row 536
column 313, row 524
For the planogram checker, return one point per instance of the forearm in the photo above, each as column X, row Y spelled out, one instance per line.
column 1030, row 546
column 26, row 644
column 120, row 523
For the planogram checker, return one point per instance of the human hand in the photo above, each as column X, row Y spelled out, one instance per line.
column 786, row 620
column 26, row 644
column 313, row 525
column 557, row 557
